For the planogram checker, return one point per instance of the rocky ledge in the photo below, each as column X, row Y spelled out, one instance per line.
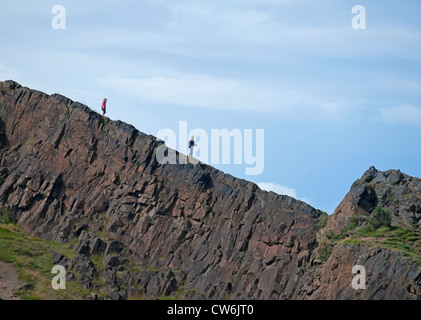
column 68, row 174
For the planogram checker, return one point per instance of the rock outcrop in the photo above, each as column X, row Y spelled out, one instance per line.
column 390, row 274
column 190, row 231
column 68, row 173
column 392, row 189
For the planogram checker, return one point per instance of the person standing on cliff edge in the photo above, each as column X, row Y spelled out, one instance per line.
column 104, row 106
column 191, row 145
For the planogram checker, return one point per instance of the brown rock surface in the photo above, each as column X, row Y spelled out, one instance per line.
column 389, row 276
column 392, row 190
column 68, row 173
column 67, row 169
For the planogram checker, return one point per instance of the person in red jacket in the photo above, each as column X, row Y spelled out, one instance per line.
column 104, row 106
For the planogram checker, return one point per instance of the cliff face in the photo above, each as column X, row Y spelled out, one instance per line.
column 391, row 189
column 391, row 257
column 69, row 174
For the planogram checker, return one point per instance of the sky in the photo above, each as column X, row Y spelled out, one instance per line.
column 332, row 99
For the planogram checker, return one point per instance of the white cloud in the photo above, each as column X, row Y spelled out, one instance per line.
column 203, row 91
column 283, row 190
column 405, row 114
column 270, row 186
column 254, row 24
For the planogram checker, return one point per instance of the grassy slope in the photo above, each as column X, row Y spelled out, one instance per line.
column 398, row 239
column 32, row 258
column 393, row 238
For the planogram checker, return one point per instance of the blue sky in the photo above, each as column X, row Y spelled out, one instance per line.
column 332, row 100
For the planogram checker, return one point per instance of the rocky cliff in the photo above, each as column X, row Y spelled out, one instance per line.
column 391, row 189
column 70, row 175
column 391, row 255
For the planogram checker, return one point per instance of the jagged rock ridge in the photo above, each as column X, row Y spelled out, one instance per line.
column 68, row 173
column 391, row 189
column 391, row 274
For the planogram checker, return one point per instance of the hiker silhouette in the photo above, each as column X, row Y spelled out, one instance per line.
column 191, row 145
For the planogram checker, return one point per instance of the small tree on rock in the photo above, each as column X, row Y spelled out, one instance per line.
column 380, row 218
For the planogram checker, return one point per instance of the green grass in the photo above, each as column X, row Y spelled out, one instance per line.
column 164, row 298
column 153, row 269
column 396, row 239
column 325, row 252
column 344, row 231
column 5, row 215
column 98, row 261
column 32, row 258
column 103, row 216
column 378, row 232
column 368, row 231
column 134, row 267
column 323, row 221
column 177, row 294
